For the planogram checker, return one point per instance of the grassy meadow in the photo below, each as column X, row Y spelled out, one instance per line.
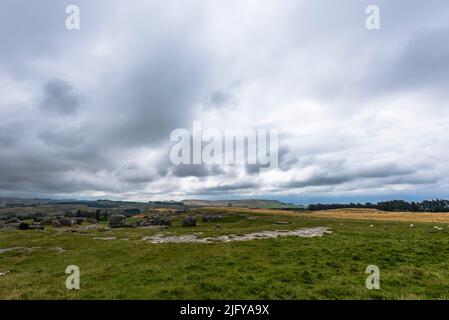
column 413, row 262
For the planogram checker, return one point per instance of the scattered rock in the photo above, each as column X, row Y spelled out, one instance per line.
column 66, row 222
column 23, row 226
column 211, row 218
column 79, row 220
column 306, row 233
column 106, row 239
column 92, row 227
column 57, row 224
column 189, row 221
column 37, row 226
column 44, row 221
column 10, row 249
column 155, row 220
column 117, row 221
column 57, row 249
column 13, row 221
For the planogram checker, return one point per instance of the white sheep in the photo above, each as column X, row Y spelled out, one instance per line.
column 2, row 274
column 411, row 226
column 438, row 228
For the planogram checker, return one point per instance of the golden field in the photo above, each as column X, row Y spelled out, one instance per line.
column 354, row 214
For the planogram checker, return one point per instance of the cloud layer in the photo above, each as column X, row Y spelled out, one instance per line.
column 361, row 114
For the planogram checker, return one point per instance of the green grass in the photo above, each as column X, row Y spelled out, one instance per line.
column 414, row 262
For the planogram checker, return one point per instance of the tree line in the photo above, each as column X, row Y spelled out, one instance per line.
column 437, row 205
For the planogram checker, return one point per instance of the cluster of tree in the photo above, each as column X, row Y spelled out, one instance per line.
column 98, row 214
column 437, row 205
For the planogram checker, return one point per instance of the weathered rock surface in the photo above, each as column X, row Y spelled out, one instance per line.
column 57, row 224
column 117, row 221
column 189, row 221
column 66, row 222
column 211, row 218
column 305, row 233
column 13, row 221
column 155, row 220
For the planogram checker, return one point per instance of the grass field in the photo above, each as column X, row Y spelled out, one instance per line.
column 413, row 262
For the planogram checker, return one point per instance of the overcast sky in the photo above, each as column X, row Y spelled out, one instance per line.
column 362, row 114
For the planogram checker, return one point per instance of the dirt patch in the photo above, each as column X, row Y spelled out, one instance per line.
column 189, row 238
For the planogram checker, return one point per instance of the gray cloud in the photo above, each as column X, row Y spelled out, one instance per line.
column 60, row 97
column 196, row 170
column 90, row 112
column 338, row 175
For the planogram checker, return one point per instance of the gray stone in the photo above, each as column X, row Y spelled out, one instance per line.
column 66, row 222
column 189, row 221
column 117, row 221
column 13, row 221
column 211, row 218
column 79, row 220
column 57, row 224
column 23, row 226
column 47, row 221
column 155, row 220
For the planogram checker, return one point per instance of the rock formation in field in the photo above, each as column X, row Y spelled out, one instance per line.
column 117, row 221
column 189, row 221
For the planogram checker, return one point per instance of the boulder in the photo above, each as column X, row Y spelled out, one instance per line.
column 44, row 221
column 211, row 218
column 66, row 222
column 189, row 221
column 155, row 220
column 117, row 221
column 23, row 226
column 57, row 224
column 79, row 220
column 13, row 221
column 37, row 226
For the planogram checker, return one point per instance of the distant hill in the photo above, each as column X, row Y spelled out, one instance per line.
column 246, row 203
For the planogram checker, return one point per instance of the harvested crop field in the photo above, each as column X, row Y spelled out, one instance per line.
column 360, row 214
